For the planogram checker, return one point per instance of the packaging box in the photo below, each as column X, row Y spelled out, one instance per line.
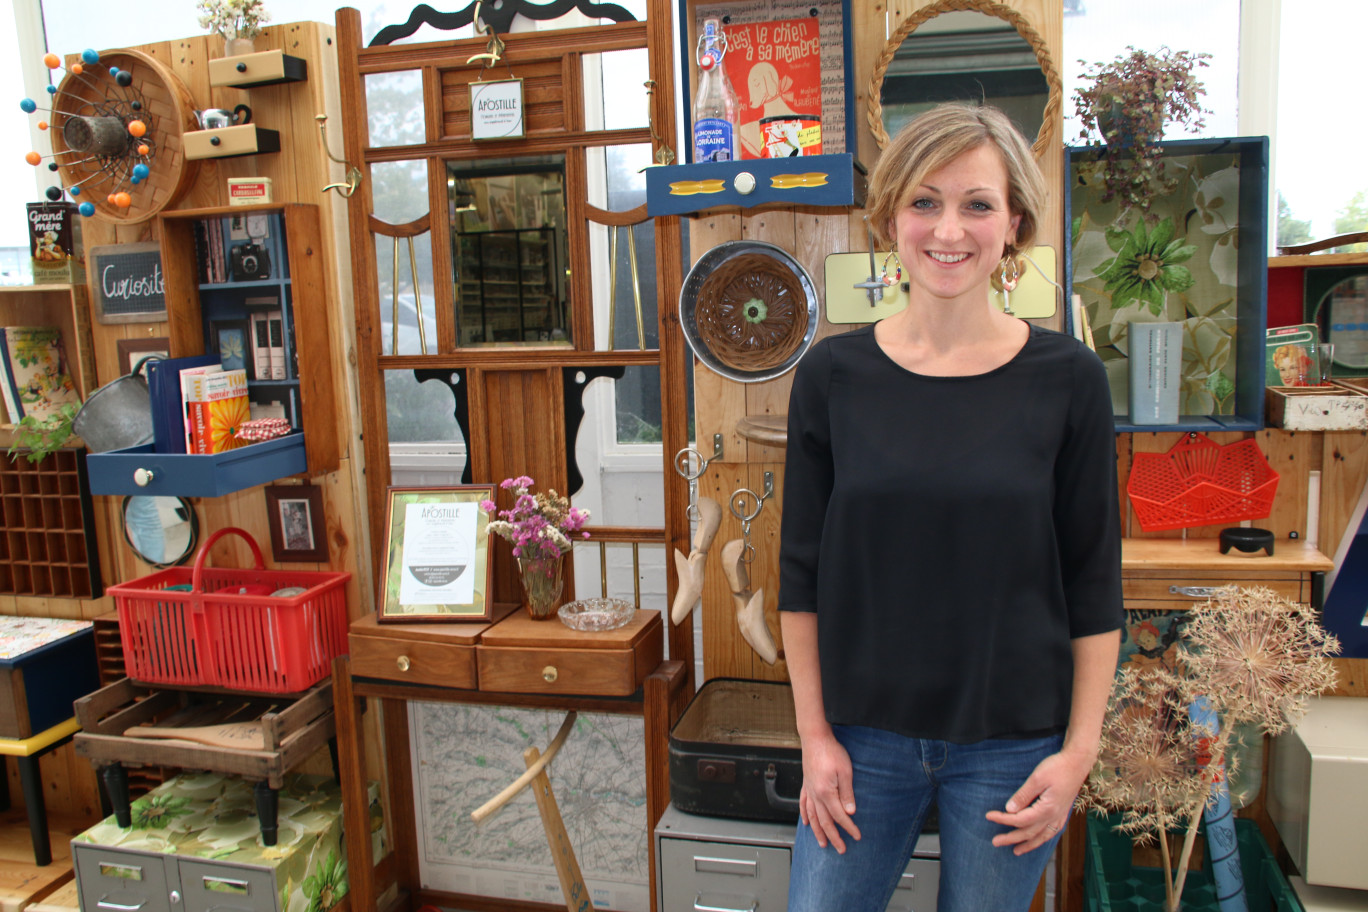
column 196, row 838
column 55, row 246
column 249, row 191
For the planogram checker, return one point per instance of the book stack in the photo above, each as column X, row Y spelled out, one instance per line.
column 35, row 381
column 215, row 407
column 209, row 246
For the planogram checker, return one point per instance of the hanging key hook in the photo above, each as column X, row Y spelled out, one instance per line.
column 691, row 465
column 664, row 154
column 738, row 504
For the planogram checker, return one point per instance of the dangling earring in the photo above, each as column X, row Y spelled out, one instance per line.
column 1008, row 279
column 891, row 280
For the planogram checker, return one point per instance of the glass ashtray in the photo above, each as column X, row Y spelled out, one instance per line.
column 596, row 614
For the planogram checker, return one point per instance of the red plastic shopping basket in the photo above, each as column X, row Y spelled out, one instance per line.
column 1198, row 482
column 233, row 628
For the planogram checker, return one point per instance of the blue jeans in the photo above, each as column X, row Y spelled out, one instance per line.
column 896, row 779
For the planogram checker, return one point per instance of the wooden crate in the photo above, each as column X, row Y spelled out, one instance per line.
column 1334, row 407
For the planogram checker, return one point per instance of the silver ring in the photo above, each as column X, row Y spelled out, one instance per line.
column 1051, row 828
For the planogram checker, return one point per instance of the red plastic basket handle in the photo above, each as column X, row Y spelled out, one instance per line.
column 196, row 573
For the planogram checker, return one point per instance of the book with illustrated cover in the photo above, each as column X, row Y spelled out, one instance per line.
column 1293, row 355
column 164, row 392
column 775, row 68
column 36, row 373
column 191, row 379
column 219, row 409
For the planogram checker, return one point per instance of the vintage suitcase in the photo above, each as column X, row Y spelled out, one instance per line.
column 735, row 752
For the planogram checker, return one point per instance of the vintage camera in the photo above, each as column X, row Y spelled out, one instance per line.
column 250, row 262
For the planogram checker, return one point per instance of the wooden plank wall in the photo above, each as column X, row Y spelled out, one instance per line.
column 298, row 172
column 810, row 235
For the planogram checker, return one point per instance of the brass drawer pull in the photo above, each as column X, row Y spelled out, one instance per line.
column 1197, row 592
column 403, row 663
column 549, row 674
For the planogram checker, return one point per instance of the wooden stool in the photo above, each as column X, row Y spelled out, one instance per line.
column 27, row 751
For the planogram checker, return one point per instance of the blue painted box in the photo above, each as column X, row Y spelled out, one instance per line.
column 45, row 665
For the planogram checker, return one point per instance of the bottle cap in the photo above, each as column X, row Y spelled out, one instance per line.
column 707, row 62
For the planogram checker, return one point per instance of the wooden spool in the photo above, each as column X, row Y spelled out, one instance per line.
column 168, row 112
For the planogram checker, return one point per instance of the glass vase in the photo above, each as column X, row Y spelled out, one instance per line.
column 541, row 582
column 236, row 47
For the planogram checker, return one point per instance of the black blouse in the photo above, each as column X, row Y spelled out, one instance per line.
column 953, row 534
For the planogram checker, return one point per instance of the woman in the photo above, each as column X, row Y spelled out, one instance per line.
column 950, row 558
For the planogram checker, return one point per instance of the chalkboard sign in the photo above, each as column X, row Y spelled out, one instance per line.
column 126, row 284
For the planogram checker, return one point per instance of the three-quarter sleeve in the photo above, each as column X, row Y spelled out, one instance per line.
column 807, row 481
column 1086, row 510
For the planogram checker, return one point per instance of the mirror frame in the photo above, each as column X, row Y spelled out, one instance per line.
column 997, row 11
column 193, row 520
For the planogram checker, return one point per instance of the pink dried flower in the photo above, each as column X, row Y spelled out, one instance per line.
column 538, row 526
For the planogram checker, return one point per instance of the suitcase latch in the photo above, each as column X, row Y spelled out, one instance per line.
column 716, row 771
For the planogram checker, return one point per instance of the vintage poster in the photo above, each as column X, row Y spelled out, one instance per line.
column 775, row 68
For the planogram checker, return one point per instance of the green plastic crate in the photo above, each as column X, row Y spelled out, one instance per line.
column 1112, row 884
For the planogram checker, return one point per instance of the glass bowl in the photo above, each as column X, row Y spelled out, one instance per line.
column 596, row 614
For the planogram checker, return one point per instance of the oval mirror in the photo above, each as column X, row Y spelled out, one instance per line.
column 162, row 530
column 945, row 52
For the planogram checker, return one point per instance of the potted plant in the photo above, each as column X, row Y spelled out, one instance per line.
column 236, row 21
column 1125, row 107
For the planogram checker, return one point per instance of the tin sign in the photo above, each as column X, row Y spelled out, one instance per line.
column 496, row 109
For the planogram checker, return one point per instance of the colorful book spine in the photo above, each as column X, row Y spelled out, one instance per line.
column 191, row 383
column 219, row 410
column 37, row 369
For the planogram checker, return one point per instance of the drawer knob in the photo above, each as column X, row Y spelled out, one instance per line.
column 744, row 183
column 242, row 67
column 143, row 477
column 549, row 674
column 175, row 897
column 403, row 663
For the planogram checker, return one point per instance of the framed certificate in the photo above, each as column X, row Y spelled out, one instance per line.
column 437, row 560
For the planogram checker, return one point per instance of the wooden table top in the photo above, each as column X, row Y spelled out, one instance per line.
column 1205, row 554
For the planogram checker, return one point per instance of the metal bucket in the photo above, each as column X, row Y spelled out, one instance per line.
column 117, row 415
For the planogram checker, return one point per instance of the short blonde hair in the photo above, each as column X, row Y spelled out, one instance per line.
column 934, row 140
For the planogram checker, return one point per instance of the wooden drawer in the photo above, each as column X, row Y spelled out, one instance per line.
column 1185, row 590
column 414, row 661
column 245, row 71
column 520, row 655
column 225, row 142
column 435, row 654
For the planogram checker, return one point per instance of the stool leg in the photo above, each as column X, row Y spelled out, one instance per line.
column 4, row 786
column 332, row 752
column 32, row 784
column 115, row 779
column 268, row 809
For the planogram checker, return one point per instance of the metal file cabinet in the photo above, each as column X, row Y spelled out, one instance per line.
column 716, row 864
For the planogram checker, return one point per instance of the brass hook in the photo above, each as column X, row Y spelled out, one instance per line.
column 354, row 176
column 496, row 45
column 664, row 155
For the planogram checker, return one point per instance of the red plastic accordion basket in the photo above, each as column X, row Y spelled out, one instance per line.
column 1198, row 482
column 221, row 627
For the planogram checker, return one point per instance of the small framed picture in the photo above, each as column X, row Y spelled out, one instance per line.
column 496, row 109
column 298, row 528
column 437, row 557
column 233, row 345
column 131, row 351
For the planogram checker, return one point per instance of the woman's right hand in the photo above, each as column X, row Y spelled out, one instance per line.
column 827, row 800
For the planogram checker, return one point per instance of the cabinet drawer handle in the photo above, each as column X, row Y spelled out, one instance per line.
column 403, row 663
column 745, row 867
column 175, row 897
column 119, row 907
column 549, row 674
column 1197, row 592
column 699, row 907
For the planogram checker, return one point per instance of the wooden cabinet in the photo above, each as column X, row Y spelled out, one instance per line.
column 195, row 308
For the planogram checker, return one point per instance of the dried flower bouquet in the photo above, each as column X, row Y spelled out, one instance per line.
column 1249, row 655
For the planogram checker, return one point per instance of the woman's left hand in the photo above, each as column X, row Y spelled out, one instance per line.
column 1040, row 808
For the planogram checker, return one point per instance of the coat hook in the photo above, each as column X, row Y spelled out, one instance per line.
column 496, row 46
column 354, row 175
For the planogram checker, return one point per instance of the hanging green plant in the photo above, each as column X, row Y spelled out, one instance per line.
column 37, row 437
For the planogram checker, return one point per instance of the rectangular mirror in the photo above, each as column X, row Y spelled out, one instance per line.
column 510, row 255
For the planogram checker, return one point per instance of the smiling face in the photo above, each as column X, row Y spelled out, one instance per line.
column 953, row 231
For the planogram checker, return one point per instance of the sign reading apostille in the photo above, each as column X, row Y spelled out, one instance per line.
column 496, row 109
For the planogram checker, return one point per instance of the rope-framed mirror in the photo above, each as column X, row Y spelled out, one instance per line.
column 1027, row 33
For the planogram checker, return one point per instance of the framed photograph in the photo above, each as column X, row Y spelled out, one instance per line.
column 131, row 351
column 232, row 342
column 437, row 555
column 298, row 529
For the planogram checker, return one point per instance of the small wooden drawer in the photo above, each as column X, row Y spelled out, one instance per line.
column 248, row 71
column 440, row 655
column 520, row 655
column 226, row 142
column 1187, row 589
column 1316, row 408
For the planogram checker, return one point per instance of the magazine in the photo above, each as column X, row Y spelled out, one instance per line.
column 1293, row 355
